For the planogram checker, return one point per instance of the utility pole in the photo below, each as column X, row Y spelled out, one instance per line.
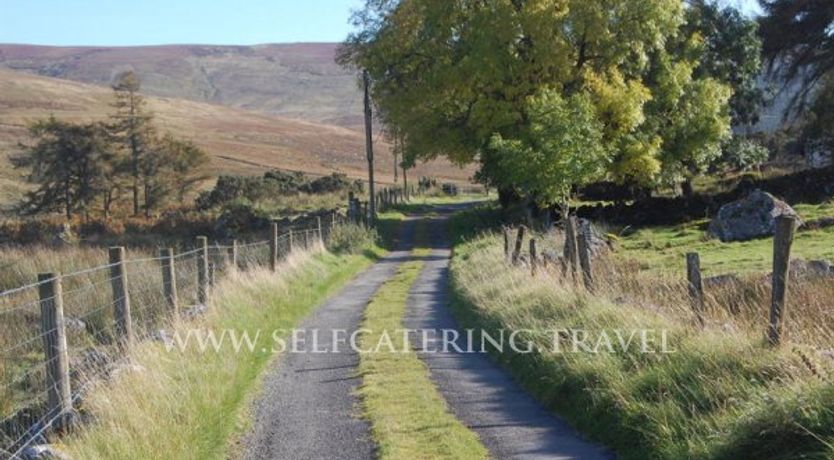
column 369, row 148
column 396, row 152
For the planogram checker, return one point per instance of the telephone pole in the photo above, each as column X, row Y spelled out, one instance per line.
column 369, row 149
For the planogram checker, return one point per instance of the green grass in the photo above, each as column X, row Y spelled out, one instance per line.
column 191, row 405
column 722, row 395
column 662, row 249
column 409, row 418
column 424, row 203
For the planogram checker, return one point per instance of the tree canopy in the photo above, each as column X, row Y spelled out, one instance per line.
column 76, row 166
column 477, row 81
column 799, row 41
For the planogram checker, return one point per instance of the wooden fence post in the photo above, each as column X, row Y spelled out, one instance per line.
column 233, row 255
column 519, row 240
column 169, row 280
column 212, row 271
column 572, row 262
column 273, row 246
column 585, row 261
column 534, row 257
column 202, row 270
column 290, row 242
column 351, row 213
column 506, row 243
column 321, row 235
column 782, row 241
column 696, row 285
column 121, row 297
column 59, row 398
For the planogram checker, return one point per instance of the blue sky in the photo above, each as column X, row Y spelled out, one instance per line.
column 153, row 22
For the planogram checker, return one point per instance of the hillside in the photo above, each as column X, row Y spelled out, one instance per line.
column 239, row 141
column 291, row 80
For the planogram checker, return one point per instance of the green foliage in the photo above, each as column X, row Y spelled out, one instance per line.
column 285, row 180
column 69, row 163
column 77, row 166
column 233, row 188
column 798, row 41
column 562, row 148
column 740, row 153
column 731, row 54
column 170, row 169
column 819, row 121
column 131, row 127
column 334, row 183
column 460, row 79
column 230, row 189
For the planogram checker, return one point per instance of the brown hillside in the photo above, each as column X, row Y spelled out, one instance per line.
column 292, row 80
column 239, row 141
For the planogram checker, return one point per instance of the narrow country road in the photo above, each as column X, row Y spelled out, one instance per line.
column 308, row 408
column 510, row 423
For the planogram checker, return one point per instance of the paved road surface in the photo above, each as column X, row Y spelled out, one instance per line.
column 308, row 409
column 510, row 423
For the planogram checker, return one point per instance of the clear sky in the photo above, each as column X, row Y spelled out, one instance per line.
column 153, row 22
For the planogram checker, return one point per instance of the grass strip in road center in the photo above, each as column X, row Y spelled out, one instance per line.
column 409, row 417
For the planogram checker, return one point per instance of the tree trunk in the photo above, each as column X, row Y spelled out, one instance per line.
column 135, row 191
column 147, row 201
column 405, row 181
column 688, row 189
column 68, row 200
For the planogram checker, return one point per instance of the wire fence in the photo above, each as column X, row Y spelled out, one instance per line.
column 793, row 300
column 65, row 332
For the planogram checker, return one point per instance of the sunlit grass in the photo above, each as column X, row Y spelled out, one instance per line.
column 723, row 394
column 409, row 418
column 191, row 405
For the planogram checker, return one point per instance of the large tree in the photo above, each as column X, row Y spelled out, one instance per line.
column 731, row 54
column 169, row 170
column 453, row 76
column 68, row 163
column 131, row 125
column 799, row 42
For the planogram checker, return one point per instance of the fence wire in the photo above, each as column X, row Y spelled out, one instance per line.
column 94, row 340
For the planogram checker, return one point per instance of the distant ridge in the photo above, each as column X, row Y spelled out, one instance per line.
column 239, row 141
column 297, row 80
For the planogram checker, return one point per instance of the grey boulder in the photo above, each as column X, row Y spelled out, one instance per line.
column 753, row 216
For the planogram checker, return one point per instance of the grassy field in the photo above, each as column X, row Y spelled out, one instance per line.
column 723, row 393
column 663, row 249
column 191, row 404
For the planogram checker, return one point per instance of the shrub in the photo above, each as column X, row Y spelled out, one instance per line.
column 241, row 218
column 351, row 239
column 231, row 188
column 272, row 185
column 741, row 153
column 334, row 183
column 287, row 181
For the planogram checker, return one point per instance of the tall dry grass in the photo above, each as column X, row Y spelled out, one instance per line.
column 734, row 303
column 89, row 305
column 723, row 393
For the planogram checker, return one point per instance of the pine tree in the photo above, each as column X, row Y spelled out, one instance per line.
column 131, row 126
column 68, row 162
